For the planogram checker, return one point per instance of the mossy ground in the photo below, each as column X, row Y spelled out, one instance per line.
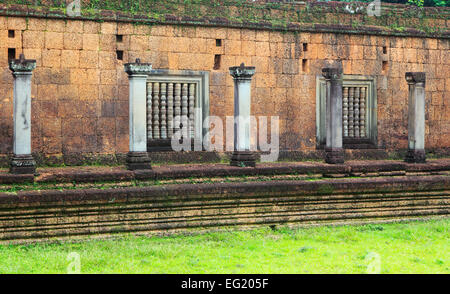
column 415, row 247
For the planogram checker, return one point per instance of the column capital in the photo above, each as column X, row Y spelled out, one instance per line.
column 138, row 68
column 332, row 73
column 415, row 77
column 242, row 72
column 22, row 65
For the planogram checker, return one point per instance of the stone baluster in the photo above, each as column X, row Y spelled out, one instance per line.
column 356, row 112
column 138, row 72
column 416, row 117
column 242, row 75
column 156, row 122
column 362, row 112
column 191, row 108
column 149, row 111
column 163, row 110
column 345, row 111
column 184, row 109
column 170, row 110
column 177, row 120
column 334, row 151
column 22, row 161
column 351, row 118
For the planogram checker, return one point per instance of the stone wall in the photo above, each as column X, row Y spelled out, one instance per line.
column 80, row 89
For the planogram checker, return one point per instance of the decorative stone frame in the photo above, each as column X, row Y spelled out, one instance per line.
column 201, row 79
column 371, row 114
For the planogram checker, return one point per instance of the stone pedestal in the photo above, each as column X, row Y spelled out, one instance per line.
column 416, row 117
column 333, row 149
column 138, row 157
column 242, row 156
column 22, row 161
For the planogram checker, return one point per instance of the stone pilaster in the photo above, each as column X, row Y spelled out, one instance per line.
column 138, row 157
column 333, row 149
column 242, row 75
column 22, row 161
column 416, row 117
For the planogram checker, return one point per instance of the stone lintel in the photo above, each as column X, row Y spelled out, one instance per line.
column 332, row 73
column 138, row 68
column 242, row 72
column 415, row 77
column 22, row 65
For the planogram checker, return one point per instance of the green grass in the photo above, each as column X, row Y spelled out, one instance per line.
column 415, row 247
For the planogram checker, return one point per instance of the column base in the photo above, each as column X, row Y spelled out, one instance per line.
column 23, row 164
column 243, row 159
column 334, row 155
column 415, row 156
column 138, row 160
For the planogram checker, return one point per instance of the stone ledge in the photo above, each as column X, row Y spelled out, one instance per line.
column 107, row 174
column 45, row 215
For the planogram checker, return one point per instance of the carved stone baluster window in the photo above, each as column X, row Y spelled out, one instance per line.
column 175, row 99
column 359, row 102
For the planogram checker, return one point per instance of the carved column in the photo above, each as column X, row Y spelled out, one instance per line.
column 242, row 75
column 334, row 151
column 137, row 72
column 416, row 117
column 22, row 161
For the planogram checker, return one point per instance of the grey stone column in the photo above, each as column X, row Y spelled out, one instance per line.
column 22, row 161
column 138, row 157
column 334, row 153
column 242, row 75
column 416, row 117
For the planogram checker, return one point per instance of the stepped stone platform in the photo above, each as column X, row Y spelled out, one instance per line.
column 115, row 201
column 119, row 173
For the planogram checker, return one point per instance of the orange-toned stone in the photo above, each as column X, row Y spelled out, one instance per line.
column 33, row 39
column 73, row 41
column 47, row 92
column 91, row 41
column 68, row 92
column 108, row 28
column 51, row 58
column 107, row 42
column 16, row 23
column 89, row 59
column 54, row 40
column 108, row 77
column 70, row 58
column 91, row 27
column 107, row 60
column 262, row 48
column 74, row 26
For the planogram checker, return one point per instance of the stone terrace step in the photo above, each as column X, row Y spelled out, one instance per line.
column 368, row 168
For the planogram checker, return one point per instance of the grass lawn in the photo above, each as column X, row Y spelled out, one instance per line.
column 415, row 247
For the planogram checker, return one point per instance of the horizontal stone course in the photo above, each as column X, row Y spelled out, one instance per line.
column 46, row 215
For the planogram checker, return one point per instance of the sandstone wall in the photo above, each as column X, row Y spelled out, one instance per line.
column 80, row 90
